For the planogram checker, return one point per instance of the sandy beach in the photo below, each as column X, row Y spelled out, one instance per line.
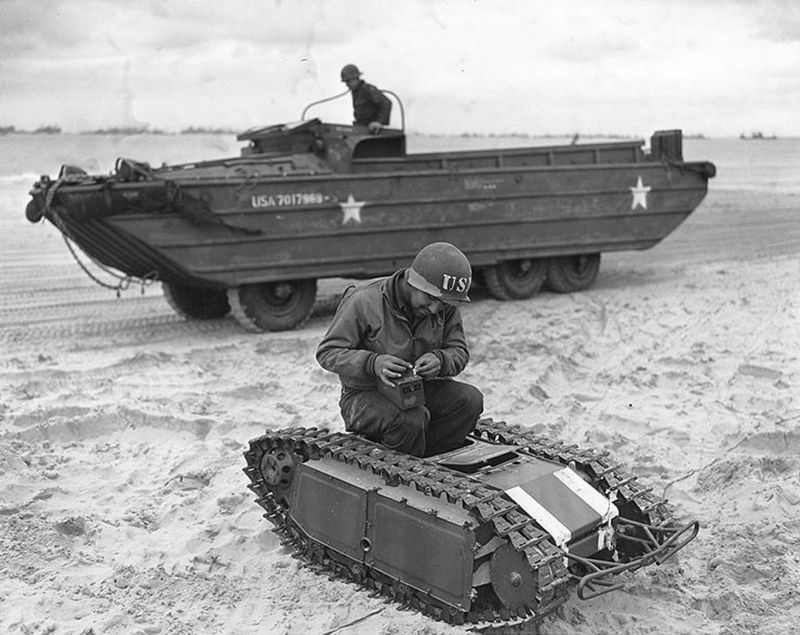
column 123, row 507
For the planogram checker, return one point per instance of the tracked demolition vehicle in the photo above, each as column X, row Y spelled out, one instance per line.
column 495, row 533
column 306, row 200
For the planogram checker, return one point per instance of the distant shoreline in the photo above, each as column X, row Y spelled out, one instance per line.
column 49, row 130
column 198, row 130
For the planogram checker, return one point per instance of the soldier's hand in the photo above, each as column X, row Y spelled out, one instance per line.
column 374, row 127
column 388, row 368
column 428, row 365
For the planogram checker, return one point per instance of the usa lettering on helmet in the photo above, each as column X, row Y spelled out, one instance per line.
column 442, row 271
column 453, row 283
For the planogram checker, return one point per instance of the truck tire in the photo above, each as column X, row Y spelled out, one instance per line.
column 199, row 303
column 567, row 274
column 477, row 278
column 273, row 306
column 34, row 211
column 515, row 279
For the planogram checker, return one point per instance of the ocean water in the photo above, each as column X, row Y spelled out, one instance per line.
column 754, row 165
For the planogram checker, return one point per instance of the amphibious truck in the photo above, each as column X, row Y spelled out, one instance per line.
column 307, row 200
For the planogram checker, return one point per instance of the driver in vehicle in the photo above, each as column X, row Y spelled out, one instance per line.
column 371, row 108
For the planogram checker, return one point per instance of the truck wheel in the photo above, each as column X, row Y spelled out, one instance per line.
column 273, row 306
column 477, row 278
column 515, row 279
column 566, row 274
column 34, row 211
column 199, row 303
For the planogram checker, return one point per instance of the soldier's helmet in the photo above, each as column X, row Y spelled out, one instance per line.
column 350, row 71
column 441, row 270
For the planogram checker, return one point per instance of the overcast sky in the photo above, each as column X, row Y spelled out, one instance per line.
column 717, row 67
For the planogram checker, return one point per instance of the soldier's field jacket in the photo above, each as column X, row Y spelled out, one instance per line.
column 370, row 104
column 372, row 319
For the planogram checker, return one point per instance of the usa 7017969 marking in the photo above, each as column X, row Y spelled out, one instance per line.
column 287, row 199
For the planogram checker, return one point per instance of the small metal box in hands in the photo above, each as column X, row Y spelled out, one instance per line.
column 406, row 392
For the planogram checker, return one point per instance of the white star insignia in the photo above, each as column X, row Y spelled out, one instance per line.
column 639, row 194
column 351, row 209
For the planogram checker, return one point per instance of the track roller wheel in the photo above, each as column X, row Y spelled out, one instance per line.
column 512, row 579
column 273, row 306
column 277, row 469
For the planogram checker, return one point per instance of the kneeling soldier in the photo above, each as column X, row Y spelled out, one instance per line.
column 407, row 323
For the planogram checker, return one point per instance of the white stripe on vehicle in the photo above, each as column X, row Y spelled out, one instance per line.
column 552, row 525
column 599, row 503
column 594, row 499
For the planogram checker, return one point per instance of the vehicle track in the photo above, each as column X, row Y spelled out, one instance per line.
column 129, row 320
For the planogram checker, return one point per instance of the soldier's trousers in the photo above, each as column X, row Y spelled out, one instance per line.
column 450, row 412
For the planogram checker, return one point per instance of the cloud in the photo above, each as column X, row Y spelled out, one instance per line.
column 779, row 21
column 459, row 65
column 592, row 49
column 53, row 28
